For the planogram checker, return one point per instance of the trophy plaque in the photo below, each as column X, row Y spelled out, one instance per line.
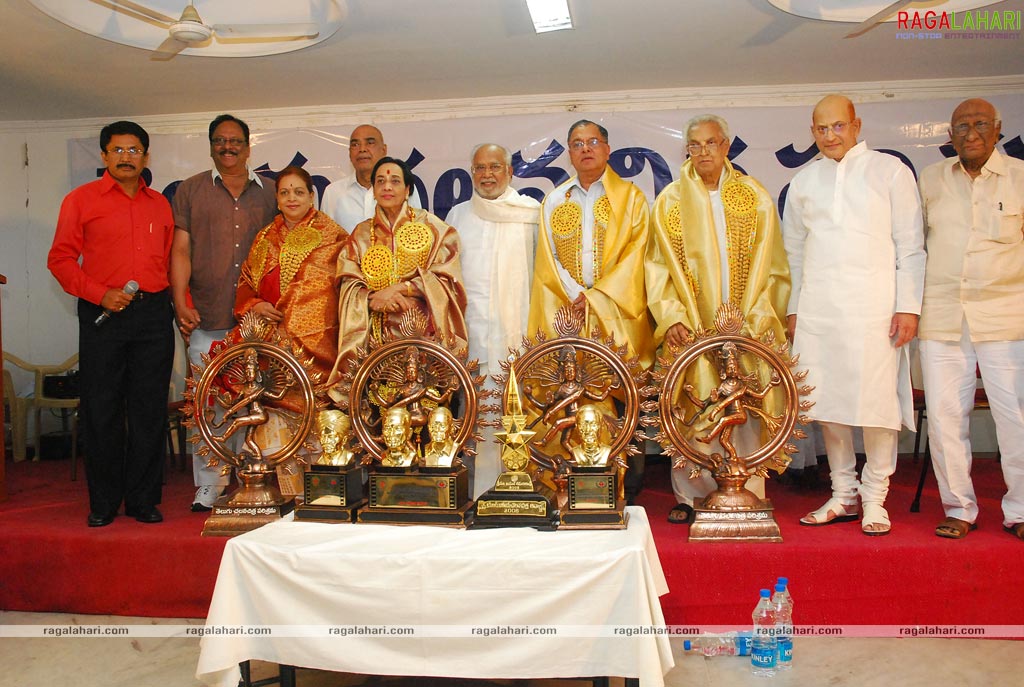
column 572, row 383
column 720, row 381
column 245, row 379
column 414, row 406
column 513, row 501
column 333, row 489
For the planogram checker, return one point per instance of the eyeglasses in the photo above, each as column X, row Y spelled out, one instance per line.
column 982, row 127
column 590, row 142
column 133, row 151
column 220, row 141
column 696, row 148
column 493, row 168
column 838, row 128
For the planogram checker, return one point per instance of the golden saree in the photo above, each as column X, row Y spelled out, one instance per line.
column 293, row 270
column 426, row 255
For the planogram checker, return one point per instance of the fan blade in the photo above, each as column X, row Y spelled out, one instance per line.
column 266, row 30
column 143, row 10
column 168, row 49
column 877, row 18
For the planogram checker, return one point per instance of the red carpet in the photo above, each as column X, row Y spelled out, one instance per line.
column 50, row 560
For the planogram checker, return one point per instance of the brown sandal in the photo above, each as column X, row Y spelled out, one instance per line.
column 1017, row 529
column 954, row 528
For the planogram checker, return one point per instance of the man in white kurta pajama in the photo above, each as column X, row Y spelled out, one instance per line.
column 498, row 232
column 852, row 230
column 973, row 314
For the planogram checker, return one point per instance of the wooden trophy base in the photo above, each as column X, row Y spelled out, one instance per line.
column 424, row 496
column 592, row 503
column 332, row 494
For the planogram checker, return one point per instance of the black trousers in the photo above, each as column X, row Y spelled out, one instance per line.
column 125, row 372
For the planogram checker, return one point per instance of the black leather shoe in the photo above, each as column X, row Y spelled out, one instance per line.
column 144, row 513
column 100, row 519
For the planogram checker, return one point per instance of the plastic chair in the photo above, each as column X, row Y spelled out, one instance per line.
column 18, row 415
column 40, row 400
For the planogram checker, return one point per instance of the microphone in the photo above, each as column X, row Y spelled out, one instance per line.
column 129, row 289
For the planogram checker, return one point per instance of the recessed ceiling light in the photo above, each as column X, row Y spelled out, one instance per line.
column 549, row 15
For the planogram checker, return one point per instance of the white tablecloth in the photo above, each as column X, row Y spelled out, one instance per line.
column 309, row 575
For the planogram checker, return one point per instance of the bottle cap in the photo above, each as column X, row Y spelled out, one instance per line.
column 687, row 645
column 780, row 588
column 784, row 580
column 765, row 593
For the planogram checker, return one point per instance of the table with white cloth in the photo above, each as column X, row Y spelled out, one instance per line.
column 588, row 584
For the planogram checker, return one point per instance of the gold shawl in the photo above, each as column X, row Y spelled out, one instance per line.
column 617, row 302
column 689, row 292
column 439, row 281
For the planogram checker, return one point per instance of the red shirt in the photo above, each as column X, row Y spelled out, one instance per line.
column 117, row 238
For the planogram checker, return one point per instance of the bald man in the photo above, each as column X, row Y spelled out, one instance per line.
column 973, row 313
column 350, row 201
column 852, row 231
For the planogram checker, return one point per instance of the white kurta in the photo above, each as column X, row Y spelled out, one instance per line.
column 498, row 239
column 855, row 242
column 348, row 203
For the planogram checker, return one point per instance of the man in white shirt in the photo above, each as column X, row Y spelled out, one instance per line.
column 498, row 233
column 973, row 313
column 349, row 201
column 852, row 230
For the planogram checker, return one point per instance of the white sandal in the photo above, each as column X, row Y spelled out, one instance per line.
column 877, row 519
column 833, row 511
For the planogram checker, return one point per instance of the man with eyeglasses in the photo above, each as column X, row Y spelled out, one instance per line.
column 350, row 201
column 594, row 230
column 973, row 314
column 498, row 233
column 590, row 255
column 852, row 229
column 715, row 238
column 121, row 230
column 217, row 213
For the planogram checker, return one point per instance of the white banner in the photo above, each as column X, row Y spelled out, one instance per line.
column 770, row 143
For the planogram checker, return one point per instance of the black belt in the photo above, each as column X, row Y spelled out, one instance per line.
column 142, row 295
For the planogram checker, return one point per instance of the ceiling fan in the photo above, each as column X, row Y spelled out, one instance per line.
column 189, row 30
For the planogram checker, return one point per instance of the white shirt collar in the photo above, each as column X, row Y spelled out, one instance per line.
column 253, row 176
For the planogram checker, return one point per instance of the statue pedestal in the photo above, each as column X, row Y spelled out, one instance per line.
column 512, row 502
column 592, row 501
column 423, row 496
column 256, row 502
column 332, row 493
column 734, row 513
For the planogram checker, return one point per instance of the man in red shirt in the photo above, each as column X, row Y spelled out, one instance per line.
column 120, row 230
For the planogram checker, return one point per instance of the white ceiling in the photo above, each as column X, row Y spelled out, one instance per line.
column 393, row 50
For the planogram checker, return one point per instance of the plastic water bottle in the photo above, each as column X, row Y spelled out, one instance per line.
column 784, row 581
column 783, row 627
column 708, row 644
column 764, row 652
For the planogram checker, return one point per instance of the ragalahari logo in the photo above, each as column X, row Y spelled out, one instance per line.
column 981, row 24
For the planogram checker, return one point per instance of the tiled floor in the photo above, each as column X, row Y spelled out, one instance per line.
column 831, row 662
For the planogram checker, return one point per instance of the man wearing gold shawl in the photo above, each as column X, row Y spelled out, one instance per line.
column 594, row 231
column 715, row 238
column 590, row 254
column 402, row 259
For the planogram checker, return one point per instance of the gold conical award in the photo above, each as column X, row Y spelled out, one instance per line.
column 513, row 502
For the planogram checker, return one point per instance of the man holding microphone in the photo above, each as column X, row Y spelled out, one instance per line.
column 121, row 231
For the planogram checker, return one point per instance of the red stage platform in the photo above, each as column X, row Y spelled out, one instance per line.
column 50, row 560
